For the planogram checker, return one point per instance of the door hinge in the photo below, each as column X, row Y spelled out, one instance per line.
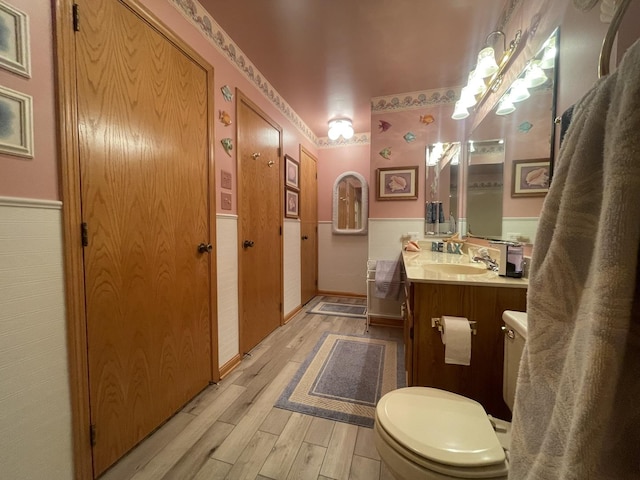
column 92, row 435
column 411, row 333
column 76, row 18
column 280, row 306
column 280, row 230
column 85, row 233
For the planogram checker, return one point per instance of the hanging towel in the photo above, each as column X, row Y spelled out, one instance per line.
column 388, row 279
column 576, row 412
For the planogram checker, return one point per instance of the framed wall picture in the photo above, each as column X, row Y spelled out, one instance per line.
column 530, row 178
column 291, row 172
column 397, row 183
column 16, row 123
column 14, row 40
column 291, row 204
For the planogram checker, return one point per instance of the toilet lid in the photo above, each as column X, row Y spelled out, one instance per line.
column 441, row 426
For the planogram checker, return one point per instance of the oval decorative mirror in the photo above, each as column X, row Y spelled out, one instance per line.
column 350, row 204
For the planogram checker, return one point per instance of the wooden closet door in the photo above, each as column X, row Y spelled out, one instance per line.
column 260, row 212
column 144, row 159
column 308, row 225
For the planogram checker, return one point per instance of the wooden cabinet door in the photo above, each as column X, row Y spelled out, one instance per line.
column 482, row 380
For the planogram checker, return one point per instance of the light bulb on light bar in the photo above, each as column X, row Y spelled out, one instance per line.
column 487, row 65
column 460, row 111
column 467, row 98
column 506, row 106
column 535, row 76
column 518, row 91
column 476, row 84
column 549, row 57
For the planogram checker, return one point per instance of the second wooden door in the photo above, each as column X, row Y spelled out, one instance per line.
column 260, row 212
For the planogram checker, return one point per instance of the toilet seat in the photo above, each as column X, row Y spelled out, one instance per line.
column 439, row 431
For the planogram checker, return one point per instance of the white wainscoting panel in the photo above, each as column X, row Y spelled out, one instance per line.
column 35, row 409
column 227, row 258
column 521, row 229
column 387, row 235
column 292, row 267
column 342, row 261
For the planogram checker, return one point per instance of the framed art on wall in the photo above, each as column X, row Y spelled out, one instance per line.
column 16, row 123
column 14, row 40
column 530, row 178
column 397, row 183
column 291, row 204
column 291, row 172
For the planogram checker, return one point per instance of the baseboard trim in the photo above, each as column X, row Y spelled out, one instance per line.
column 386, row 322
column 230, row 366
column 340, row 294
column 291, row 314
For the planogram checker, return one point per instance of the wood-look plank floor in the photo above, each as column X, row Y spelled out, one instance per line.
column 232, row 430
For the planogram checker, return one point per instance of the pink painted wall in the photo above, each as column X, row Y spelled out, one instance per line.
column 227, row 74
column 35, row 177
column 332, row 162
column 404, row 154
column 38, row 177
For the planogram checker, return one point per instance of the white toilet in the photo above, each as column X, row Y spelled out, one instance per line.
column 427, row 433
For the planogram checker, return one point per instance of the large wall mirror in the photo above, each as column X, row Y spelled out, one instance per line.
column 350, row 204
column 509, row 155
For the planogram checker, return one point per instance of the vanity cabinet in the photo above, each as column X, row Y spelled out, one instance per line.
column 482, row 380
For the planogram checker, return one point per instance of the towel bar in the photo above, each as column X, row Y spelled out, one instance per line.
column 436, row 323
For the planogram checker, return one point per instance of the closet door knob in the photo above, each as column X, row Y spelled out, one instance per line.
column 305, row 237
column 205, row 248
column 247, row 244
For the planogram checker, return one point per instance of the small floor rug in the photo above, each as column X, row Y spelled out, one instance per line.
column 343, row 378
column 339, row 309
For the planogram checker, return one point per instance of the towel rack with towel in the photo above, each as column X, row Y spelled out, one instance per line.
column 387, row 306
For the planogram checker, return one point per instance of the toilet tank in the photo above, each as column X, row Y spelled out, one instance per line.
column 514, row 338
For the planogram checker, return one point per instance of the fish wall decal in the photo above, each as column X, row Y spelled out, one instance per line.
column 386, row 153
column 384, row 126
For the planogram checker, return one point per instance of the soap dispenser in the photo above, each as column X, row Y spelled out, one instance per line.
column 511, row 258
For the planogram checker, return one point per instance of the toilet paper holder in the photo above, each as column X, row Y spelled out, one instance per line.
column 437, row 323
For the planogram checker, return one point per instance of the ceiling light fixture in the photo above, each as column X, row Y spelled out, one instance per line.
column 340, row 127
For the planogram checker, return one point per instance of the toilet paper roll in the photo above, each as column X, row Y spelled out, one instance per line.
column 457, row 340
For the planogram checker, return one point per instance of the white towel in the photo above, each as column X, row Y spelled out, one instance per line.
column 576, row 412
column 388, row 278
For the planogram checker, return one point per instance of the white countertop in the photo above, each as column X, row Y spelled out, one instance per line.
column 423, row 267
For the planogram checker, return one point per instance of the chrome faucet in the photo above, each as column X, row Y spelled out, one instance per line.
column 487, row 260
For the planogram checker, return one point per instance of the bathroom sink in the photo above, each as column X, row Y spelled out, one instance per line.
column 455, row 269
